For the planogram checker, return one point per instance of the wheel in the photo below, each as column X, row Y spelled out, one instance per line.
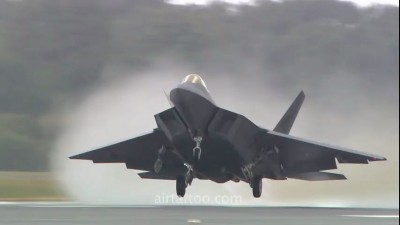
column 257, row 187
column 180, row 186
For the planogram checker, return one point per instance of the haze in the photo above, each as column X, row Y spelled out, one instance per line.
column 76, row 75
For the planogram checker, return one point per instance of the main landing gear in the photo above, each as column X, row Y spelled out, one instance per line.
column 183, row 181
column 181, row 186
column 254, row 180
column 158, row 164
column 257, row 186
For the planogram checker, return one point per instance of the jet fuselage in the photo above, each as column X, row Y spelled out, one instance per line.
column 194, row 104
column 196, row 108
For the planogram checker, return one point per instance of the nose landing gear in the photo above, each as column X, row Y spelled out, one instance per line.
column 197, row 149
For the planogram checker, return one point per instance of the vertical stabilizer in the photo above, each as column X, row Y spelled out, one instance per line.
column 286, row 123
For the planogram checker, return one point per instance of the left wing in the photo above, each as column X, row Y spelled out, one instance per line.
column 301, row 155
column 138, row 153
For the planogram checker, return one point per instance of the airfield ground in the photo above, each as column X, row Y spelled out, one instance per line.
column 57, row 214
column 29, row 186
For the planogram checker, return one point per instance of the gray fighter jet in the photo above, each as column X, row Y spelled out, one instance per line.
column 197, row 139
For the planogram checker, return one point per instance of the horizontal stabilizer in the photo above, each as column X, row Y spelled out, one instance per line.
column 285, row 124
column 317, row 176
column 354, row 159
column 158, row 176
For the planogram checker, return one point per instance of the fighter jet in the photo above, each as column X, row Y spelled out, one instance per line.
column 197, row 139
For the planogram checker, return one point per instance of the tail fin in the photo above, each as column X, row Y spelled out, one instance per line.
column 286, row 123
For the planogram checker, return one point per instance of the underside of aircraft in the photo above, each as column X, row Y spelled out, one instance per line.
column 197, row 139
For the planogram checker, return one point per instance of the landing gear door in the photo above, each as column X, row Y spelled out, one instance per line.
column 170, row 123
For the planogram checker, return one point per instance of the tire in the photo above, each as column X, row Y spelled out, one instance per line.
column 257, row 187
column 180, row 186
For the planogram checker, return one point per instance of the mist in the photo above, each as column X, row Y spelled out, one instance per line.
column 122, row 106
column 77, row 75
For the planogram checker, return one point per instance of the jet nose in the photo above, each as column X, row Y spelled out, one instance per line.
column 194, row 84
column 194, row 79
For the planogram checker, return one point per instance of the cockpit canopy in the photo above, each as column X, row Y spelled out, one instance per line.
column 194, row 79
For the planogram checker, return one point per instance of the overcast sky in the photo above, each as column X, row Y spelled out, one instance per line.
column 358, row 2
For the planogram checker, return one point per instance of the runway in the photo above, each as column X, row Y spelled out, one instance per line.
column 63, row 214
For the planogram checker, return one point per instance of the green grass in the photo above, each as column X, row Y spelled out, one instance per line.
column 29, row 186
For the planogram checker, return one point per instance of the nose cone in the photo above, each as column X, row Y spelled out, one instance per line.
column 194, row 79
column 194, row 104
column 195, row 84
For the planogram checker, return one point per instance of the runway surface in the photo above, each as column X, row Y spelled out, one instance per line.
column 55, row 214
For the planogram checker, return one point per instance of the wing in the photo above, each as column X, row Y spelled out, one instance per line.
column 138, row 153
column 302, row 156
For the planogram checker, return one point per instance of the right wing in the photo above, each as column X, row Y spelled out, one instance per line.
column 138, row 153
column 301, row 155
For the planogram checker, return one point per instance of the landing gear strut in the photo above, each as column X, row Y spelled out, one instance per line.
column 197, row 149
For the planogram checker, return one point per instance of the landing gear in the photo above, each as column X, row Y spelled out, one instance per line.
column 158, row 165
column 196, row 154
column 159, row 162
column 189, row 174
column 197, row 149
column 183, row 181
column 257, row 186
column 181, row 186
